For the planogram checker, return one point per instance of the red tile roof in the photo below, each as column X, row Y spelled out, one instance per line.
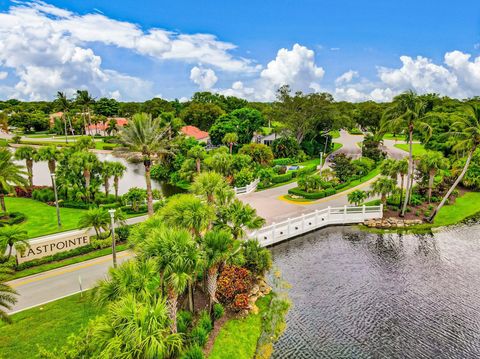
column 103, row 126
column 194, row 132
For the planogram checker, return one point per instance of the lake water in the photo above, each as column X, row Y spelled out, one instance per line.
column 362, row 295
column 133, row 177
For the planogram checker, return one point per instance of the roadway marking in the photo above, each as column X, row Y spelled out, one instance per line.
column 60, row 271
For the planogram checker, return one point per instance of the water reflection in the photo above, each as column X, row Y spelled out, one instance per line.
column 361, row 295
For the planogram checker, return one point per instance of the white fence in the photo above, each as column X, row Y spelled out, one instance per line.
column 278, row 232
column 251, row 187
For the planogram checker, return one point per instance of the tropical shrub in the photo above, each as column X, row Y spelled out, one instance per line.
column 285, row 146
column 343, row 167
column 282, row 161
column 265, row 175
column 312, row 195
column 218, row 311
column 193, row 352
column 310, row 183
column 199, row 336
column 256, row 258
column 184, row 321
column 240, row 301
column 259, row 153
column 233, row 281
column 243, row 177
column 282, row 178
column 204, row 321
column 11, row 218
column 135, row 196
column 43, row 195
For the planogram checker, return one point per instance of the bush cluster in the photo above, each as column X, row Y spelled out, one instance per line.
column 43, row 195
column 312, row 195
column 11, row 218
column 233, row 284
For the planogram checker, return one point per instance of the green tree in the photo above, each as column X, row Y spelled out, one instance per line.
column 431, row 163
column 356, row 197
column 96, row 218
column 13, row 237
column 112, row 127
column 27, row 153
column 117, row 171
column 261, row 154
column 197, row 153
column 86, row 161
column 244, row 122
column 230, row 139
column 107, row 107
column 408, row 112
column 146, row 136
column 211, row 185
column 467, row 134
column 64, row 105
column 237, row 216
column 201, row 115
column 85, row 101
column 106, row 173
column 7, row 296
column 11, row 175
column 135, row 196
column 217, row 246
column 285, row 147
column 383, row 187
column 50, row 154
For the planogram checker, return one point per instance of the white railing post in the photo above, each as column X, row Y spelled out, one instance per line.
column 345, row 213
column 303, row 222
column 363, row 211
column 381, row 210
column 273, row 232
column 288, row 227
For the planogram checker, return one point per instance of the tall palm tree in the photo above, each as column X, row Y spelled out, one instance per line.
column 112, row 127
column 467, row 133
column 212, row 185
column 402, row 169
column 27, row 153
column 430, row 163
column 394, row 168
column 383, row 186
column 7, row 296
column 230, row 139
column 64, row 105
column 188, row 211
column 11, row 175
column 407, row 112
column 171, row 248
column 217, row 246
column 13, row 237
column 238, row 216
column 86, row 161
column 96, row 218
column 51, row 154
column 197, row 153
column 85, row 101
column 135, row 329
column 106, row 173
column 118, row 170
column 146, row 136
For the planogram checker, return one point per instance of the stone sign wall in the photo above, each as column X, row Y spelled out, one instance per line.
column 49, row 245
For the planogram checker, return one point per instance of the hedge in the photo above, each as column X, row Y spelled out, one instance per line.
column 282, row 161
column 76, row 205
column 312, row 195
column 13, row 218
column 282, row 178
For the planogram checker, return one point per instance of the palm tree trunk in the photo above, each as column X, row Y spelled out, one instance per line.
column 172, row 299
column 452, row 188
column 106, row 185
column 65, row 123
column 231, row 147
column 402, row 180
column 410, row 170
column 430, row 185
column 10, row 247
column 115, row 184
column 198, row 165
column 2, row 202
column 51, row 166
column 86, row 174
column 412, row 177
column 148, row 181
column 30, row 172
column 191, row 305
column 212, row 275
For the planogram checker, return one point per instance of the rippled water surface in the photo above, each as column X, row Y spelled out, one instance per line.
column 362, row 295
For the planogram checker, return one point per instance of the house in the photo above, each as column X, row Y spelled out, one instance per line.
column 102, row 126
column 265, row 140
column 196, row 133
column 54, row 116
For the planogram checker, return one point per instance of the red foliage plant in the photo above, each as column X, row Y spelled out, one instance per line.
column 27, row 191
column 233, row 286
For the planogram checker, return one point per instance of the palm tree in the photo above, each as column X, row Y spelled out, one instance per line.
column 356, row 197
column 134, row 329
column 13, row 237
column 7, row 296
column 84, row 99
column 217, row 246
column 146, row 136
column 383, row 186
column 230, row 139
column 28, row 154
column 407, row 112
column 111, row 127
column 394, row 168
column 237, row 216
column 64, row 105
column 96, row 218
column 211, row 185
column 197, row 153
column 51, row 154
column 136, row 277
column 171, row 248
column 468, row 135
column 87, row 161
column 430, row 163
column 106, row 173
column 118, row 170
column 11, row 174
column 188, row 211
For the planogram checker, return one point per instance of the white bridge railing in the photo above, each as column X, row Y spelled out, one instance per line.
column 292, row 227
column 251, row 187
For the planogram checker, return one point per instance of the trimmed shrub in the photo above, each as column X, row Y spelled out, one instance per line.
column 193, row 352
column 12, row 218
column 282, row 161
column 312, row 195
column 218, row 311
column 43, row 195
column 108, row 147
column 282, row 178
column 76, row 205
column 122, row 233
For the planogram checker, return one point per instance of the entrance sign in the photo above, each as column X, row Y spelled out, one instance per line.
column 49, row 245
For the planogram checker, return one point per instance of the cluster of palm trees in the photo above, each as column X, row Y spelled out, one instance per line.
column 192, row 237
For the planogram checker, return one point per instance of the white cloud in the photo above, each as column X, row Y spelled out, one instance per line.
column 3, row 75
column 346, row 77
column 204, row 78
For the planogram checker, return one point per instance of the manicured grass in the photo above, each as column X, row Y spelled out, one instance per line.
column 48, row 325
column 464, row 207
column 65, row 262
column 391, row 136
column 334, row 134
column 418, row 149
column 314, row 161
column 42, row 218
column 238, row 337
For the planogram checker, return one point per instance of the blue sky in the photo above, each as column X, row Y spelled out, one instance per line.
column 362, row 39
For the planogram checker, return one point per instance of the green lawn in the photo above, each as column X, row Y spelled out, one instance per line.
column 42, row 218
column 391, row 136
column 464, row 207
column 48, row 325
column 238, row 337
column 418, row 149
column 334, row 134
